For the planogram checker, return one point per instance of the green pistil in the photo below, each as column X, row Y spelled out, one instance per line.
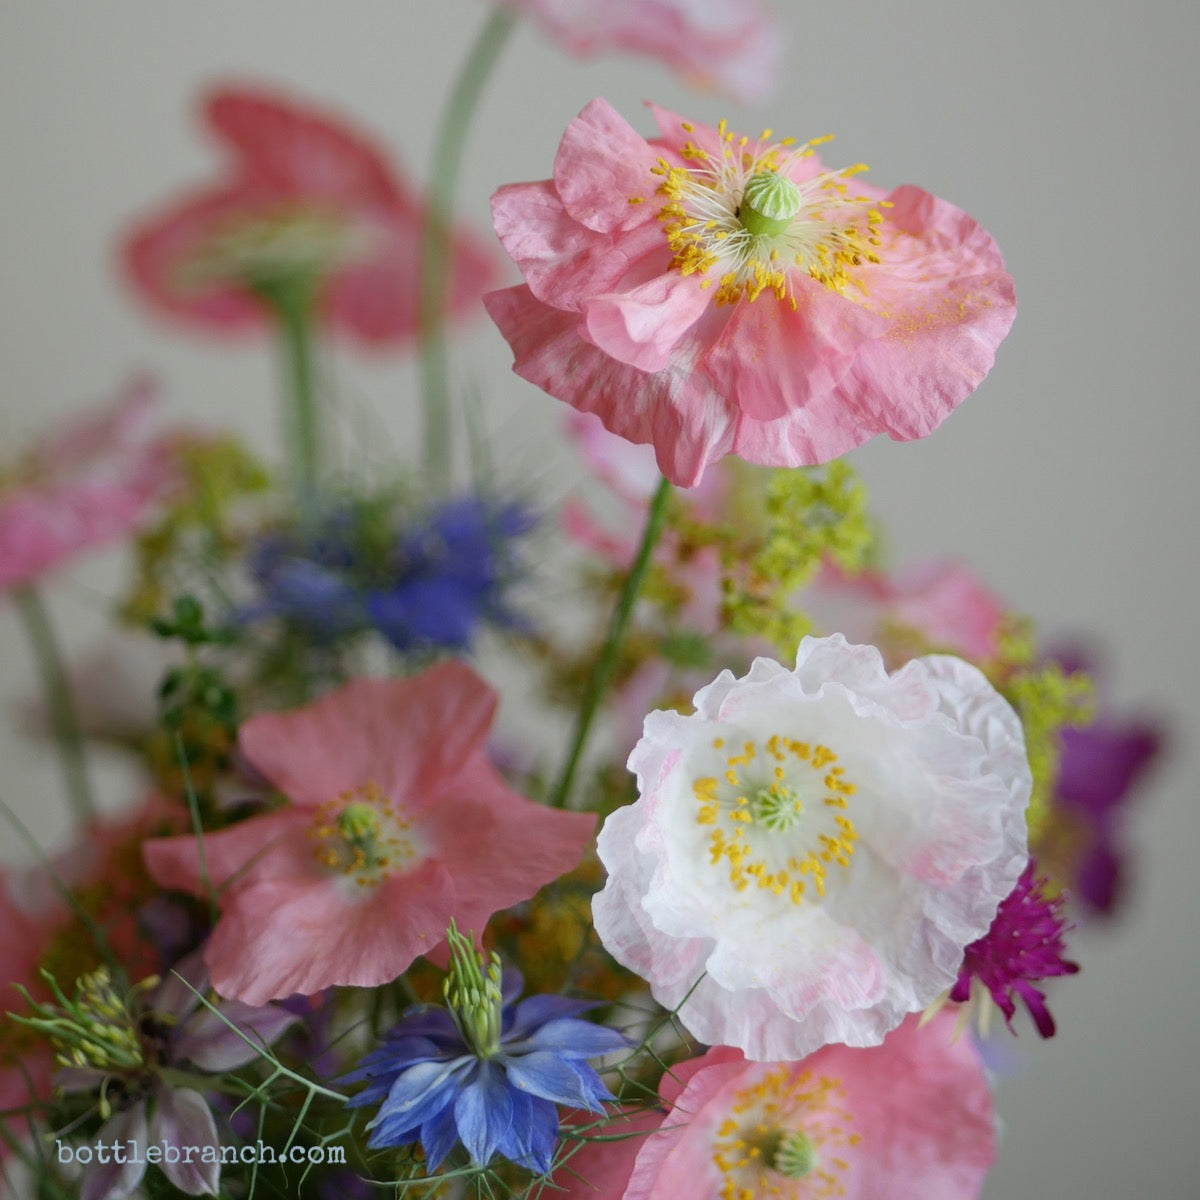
column 475, row 999
column 776, row 808
column 358, row 825
column 769, row 204
column 794, row 1155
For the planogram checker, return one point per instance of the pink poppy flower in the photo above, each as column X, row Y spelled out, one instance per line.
column 711, row 295
column 397, row 822
column 91, row 482
column 305, row 199
column 910, row 1119
column 730, row 45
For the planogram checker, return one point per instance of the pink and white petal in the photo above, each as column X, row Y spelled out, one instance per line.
column 207, row 1041
column 182, row 1119
column 297, row 151
column 277, row 939
column 674, row 410
column 602, row 164
column 643, row 326
column 268, row 846
column 676, row 130
column 114, row 1180
column 564, row 262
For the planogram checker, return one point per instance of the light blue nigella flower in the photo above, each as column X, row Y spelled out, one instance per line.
column 487, row 1070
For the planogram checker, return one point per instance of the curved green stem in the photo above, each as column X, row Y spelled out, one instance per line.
column 606, row 664
column 293, row 310
column 59, row 700
column 435, row 241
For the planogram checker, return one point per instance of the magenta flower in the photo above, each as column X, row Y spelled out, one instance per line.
column 910, row 1119
column 711, row 295
column 397, row 822
column 730, row 45
column 305, row 198
column 91, row 482
column 1024, row 946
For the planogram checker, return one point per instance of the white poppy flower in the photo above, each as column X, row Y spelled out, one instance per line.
column 812, row 849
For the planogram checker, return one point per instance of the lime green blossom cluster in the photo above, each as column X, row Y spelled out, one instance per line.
column 812, row 515
column 1048, row 699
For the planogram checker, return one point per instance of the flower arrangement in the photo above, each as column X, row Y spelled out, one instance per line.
column 816, row 820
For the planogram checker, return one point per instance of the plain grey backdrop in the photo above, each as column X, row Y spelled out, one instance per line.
column 1067, row 481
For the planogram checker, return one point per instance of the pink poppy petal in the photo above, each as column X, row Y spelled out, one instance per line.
column 298, row 151
column 563, row 261
column 776, row 360
column 642, row 327
column 276, row 939
column 602, row 164
column 263, row 846
column 393, row 732
column 674, row 410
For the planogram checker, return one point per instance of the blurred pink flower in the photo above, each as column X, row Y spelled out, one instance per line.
column 730, row 45
column 710, row 295
column 397, row 823
column 910, row 1119
column 306, row 198
column 944, row 603
column 91, row 482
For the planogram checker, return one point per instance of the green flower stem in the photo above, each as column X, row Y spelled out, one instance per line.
column 435, row 242
column 58, row 700
column 292, row 305
column 606, row 664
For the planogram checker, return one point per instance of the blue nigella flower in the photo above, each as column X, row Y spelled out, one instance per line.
column 487, row 1070
column 426, row 584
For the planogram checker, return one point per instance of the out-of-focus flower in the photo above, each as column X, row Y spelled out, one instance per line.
column 488, row 1070
column 812, row 850
column 932, row 604
column 910, row 1119
column 1023, row 947
column 1100, row 767
column 124, row 1048
column 397, row 822
column 730, row 45
column 307, row 202
column 432, row 585
column 712, row 295
column 89, row 483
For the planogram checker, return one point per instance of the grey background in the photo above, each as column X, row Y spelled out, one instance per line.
column 1068, row 480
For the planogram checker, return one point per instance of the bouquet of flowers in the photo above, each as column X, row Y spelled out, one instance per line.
column 799, row 822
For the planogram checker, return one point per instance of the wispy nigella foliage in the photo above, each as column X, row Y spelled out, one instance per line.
column 428, row 581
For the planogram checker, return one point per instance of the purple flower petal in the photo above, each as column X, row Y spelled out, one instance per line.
column 111, row 1181
column 183, row 1120
column 208, row 1042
